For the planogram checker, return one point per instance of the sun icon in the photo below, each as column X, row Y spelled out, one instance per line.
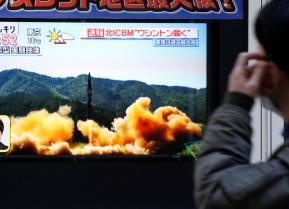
column 55, row 36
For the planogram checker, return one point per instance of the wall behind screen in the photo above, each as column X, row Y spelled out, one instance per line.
column 228, row 39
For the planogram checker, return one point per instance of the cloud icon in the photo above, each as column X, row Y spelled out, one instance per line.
column 67, row 36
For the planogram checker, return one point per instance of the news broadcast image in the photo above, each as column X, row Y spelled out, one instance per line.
column 104, row 88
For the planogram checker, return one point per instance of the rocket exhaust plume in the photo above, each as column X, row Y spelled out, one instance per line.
column 139, row 132
column 41, row 132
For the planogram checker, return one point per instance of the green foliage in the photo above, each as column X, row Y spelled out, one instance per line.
column 192, row 150
column 198, row 109
column 108, row 95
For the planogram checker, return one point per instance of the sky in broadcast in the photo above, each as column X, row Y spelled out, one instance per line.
column 123, row 59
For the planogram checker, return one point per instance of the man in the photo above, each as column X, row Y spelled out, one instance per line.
column 223, row 177
column 2, row 146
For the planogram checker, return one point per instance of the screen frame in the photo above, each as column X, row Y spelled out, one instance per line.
column 211, row 91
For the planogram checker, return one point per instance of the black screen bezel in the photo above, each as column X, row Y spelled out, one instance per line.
column 210, row 85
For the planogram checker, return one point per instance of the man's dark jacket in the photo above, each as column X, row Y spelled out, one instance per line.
column 224, row 178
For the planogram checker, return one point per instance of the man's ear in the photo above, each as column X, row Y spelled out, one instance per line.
column 276, row 74
column 270, row 80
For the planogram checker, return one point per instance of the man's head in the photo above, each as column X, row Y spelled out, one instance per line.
column 1, row 128
column 272, row 31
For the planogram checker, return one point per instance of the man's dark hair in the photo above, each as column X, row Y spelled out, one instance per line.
column 1, row 126
column 272, row 31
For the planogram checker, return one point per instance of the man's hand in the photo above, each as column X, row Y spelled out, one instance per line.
column 251, row 80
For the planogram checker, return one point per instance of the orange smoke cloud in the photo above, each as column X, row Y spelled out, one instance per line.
column 40, row 131
column 139, row 132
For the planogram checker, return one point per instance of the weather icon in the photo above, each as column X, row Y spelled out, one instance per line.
column 58, row 37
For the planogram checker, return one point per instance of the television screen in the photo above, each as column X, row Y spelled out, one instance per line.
column 82, row 88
